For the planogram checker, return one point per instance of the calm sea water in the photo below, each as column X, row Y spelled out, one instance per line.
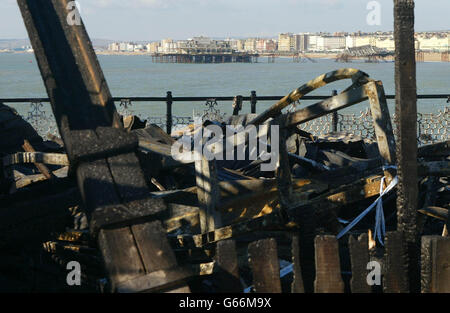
column 138, row 76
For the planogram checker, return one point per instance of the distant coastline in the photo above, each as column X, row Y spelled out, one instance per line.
column 426, row 56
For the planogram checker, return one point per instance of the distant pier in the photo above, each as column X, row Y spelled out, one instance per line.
column 204, row 58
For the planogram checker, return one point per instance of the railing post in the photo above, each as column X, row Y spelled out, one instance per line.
column 253, row 101
column 335, row 116
column 169, row 112
column 237, row 105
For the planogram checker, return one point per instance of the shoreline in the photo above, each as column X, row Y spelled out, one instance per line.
column 432, row 57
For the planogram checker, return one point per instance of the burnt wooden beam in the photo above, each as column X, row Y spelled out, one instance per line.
column 359, row 257
column 227, row 267
column 297, row 281
column 396, row 258
column 435, row 271
column 382, row 125
column 327, row 106
column 328, row 266
column 101, row 153
column 263, row 260
column 295, row 95
column 406, row 111
column 208, row 192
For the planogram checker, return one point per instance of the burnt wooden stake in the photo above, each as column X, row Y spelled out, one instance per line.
column 435, row 264
column 406, row 112
column 263, row 259
column 328, row 266
column 359, row 257
column 396, row 258
column 208, row 193
column 228, row 268
column 297, row 283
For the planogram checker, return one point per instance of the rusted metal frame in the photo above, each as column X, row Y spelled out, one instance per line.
column 298, row 93
column 81, row 102
column 406, row 111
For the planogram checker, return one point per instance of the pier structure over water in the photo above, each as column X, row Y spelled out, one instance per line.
column 205, row 57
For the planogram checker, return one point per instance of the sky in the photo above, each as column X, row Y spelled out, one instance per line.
column 146, row 20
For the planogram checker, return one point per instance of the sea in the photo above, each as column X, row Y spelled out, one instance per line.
column 136, row 75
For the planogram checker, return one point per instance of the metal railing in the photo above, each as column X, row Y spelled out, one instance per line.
column 432, row 127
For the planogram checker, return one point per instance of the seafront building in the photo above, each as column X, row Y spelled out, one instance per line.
column 438, row 42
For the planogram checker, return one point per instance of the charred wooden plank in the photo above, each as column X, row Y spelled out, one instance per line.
column 100, row 151
column 227, row 267
column 435, row 271
column 327, row 106
column 328, row 266
column 382, row 125
column 297, row 283
column 263, row 259
column 396, row 264
column 40, row 166
column 208, row 194
column 298, row 93
column 359, row 256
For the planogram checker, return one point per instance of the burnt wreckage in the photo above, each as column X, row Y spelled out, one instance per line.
column 110, row 195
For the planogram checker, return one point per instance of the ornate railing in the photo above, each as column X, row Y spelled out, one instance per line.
column 432, row 127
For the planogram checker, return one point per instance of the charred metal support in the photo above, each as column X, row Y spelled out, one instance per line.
column 406, row 111
column 253, row 101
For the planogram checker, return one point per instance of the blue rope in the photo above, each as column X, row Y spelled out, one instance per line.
column 380, row 227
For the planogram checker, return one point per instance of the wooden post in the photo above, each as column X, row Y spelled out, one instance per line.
column 382, row 125
column 435, row 270
column 169, row 112
column 297, row 283
column 406, row 112
column 359, row 256
column 263, row 259
column 228, row 269
column 396, row 276
column 208, row 194
column 328, row 266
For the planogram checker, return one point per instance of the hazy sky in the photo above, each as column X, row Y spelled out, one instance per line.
column 180, row 19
